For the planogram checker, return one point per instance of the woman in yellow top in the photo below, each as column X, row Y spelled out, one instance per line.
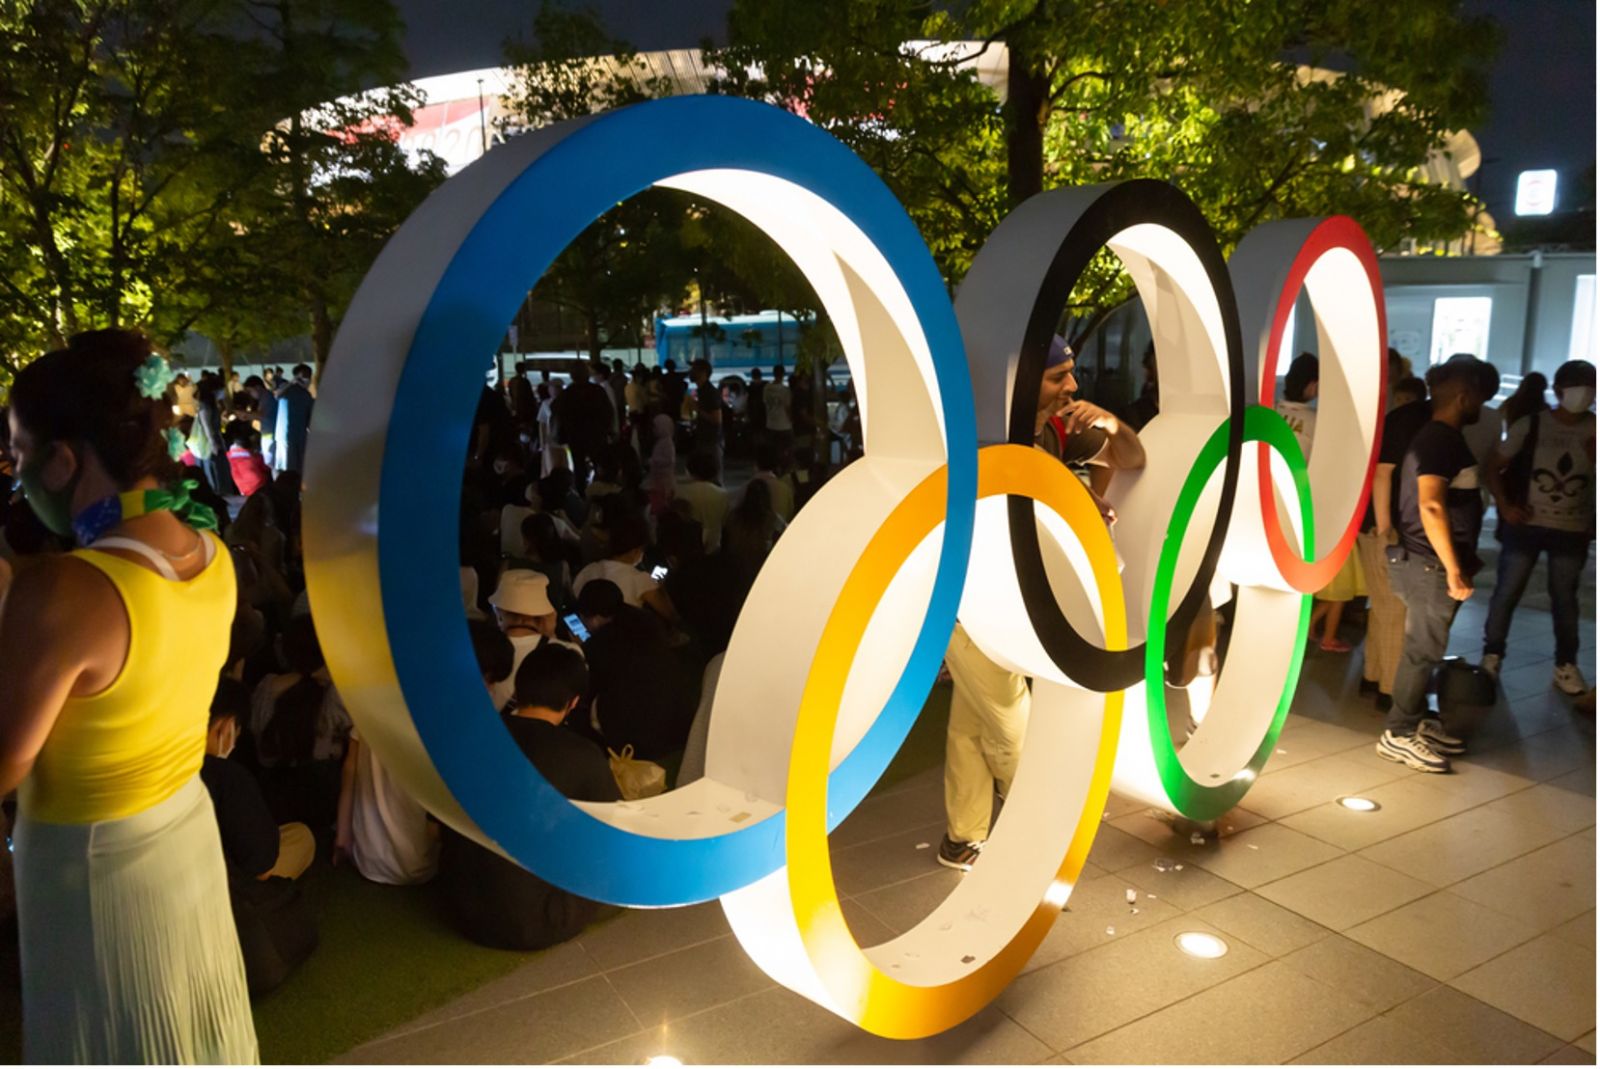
column 108, row 658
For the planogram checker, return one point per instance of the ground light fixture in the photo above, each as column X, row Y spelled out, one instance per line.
column 1201, row 945
column 662, row 1060
column 1357, row 804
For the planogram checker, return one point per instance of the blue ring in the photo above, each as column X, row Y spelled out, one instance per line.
column 606, row 160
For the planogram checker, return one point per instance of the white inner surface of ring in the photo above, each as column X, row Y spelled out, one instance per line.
column 758, row 694
column 1015, row 874
column 1349, row 345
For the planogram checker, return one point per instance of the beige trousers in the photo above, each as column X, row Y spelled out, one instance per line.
column 988, row 718
column 1386, row 615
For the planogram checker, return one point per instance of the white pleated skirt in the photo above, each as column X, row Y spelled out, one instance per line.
column 129, row 952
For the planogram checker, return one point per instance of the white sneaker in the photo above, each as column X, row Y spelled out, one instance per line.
column 1412, row 751
column 1440, row 741
column 1490, row 666
column 1568, row 680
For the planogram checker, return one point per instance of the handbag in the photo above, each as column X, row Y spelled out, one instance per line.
column 636, row 778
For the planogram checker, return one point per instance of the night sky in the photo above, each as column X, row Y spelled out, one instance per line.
column 1542, row 88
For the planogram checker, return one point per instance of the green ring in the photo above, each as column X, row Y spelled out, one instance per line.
column 1199, row 801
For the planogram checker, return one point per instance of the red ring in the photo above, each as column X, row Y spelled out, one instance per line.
column 1335, row 232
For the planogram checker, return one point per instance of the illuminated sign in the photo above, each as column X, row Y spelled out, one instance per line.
column 1536, row 193
column 951, row 513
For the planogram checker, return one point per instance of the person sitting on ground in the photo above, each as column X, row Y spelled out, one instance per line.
column 250, row 472
column 495, row 902
column 253, row 843
column 545, row 553
column 299, row 727
column 557, row 495
column 525, row 614
column 752, row 528
column 768, row 464
column 706, row 591
column 626, row 539
column 277, row 929
column 641, row 696
column 706, row 500
column 382, row 829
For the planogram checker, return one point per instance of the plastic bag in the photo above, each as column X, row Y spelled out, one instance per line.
column 636, row 778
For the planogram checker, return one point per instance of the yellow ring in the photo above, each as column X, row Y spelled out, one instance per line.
column 861, row 991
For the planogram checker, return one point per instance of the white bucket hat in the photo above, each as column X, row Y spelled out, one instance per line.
column 524, row 592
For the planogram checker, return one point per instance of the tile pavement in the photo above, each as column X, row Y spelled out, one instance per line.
column 1454, row 925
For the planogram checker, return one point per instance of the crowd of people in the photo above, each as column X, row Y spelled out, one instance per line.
column 159, row 661
column 600, row 576
column 1440, row 465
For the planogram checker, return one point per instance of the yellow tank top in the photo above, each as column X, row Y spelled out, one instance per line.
column 135, row 743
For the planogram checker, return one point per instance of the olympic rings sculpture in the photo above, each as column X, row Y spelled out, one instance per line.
column 949, row 514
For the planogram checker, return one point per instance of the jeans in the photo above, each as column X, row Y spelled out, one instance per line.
column 1419, row 581
column 1519, row 552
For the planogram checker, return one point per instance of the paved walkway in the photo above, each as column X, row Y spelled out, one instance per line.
column 1456, row 924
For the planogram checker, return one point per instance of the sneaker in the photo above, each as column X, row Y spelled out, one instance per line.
column 1490, row 665
column 960, row 856
column 1568, row 680
column 1411, row 751
column 1438, row 739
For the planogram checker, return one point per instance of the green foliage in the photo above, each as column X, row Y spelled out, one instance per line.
column 927, row 126
column 115, row 172
column 1235, row 102
column 165, row 164
column 658, row 248
column 335, row 183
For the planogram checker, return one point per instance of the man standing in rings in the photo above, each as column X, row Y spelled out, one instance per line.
column 988, row 704
column 1431, row 570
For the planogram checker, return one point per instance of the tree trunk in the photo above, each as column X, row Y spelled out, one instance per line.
column 705, row 331
column 321, row 337
column 592, row 328
column 1027, row 109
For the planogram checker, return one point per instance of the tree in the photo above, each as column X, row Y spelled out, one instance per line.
column 1257, row 111
column 114, row 172
column 923, row 121
column 630, row 261
column 338, row 183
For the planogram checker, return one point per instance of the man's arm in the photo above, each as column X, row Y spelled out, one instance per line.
column 1122, row 450
column 1436, row 523
column 1382, row 498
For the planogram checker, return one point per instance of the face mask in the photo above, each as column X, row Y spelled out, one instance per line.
column 1577, row 399
column 53, row 507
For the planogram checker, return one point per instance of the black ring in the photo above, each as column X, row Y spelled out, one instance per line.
column 1122, row 205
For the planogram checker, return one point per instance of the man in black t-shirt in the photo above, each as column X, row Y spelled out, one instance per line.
column 1386, row 613
column 1440, row 518
column 496, row 902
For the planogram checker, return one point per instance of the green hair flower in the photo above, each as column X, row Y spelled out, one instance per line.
column 152, row 377
column 175, row 442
